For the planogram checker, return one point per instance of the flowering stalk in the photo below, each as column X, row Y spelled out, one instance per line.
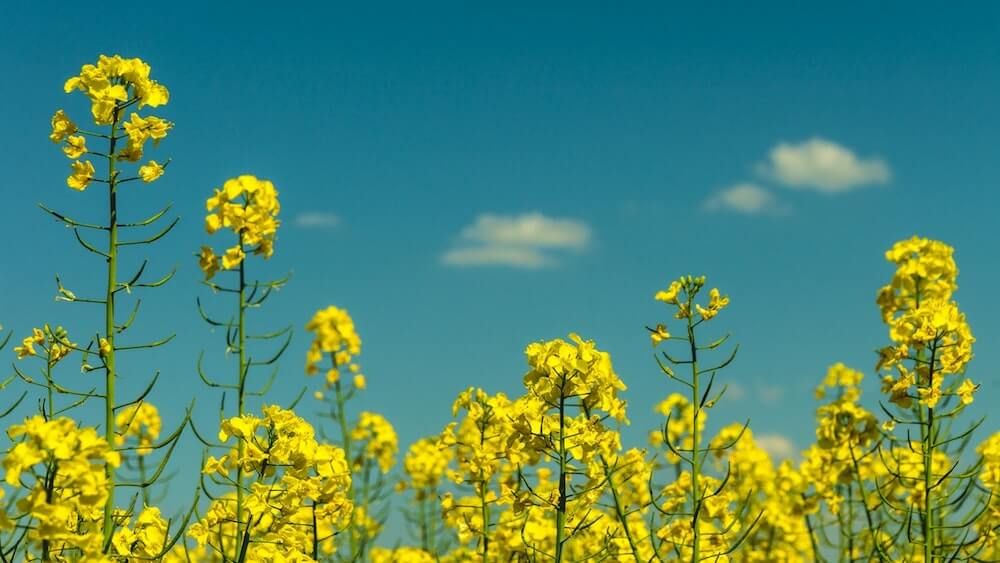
column 108, row 350
column 113, row 85
column 241, row 378
column 248, row 207
column 931, row 346
column 561, row 455
column 693, row 483
column 345, row 442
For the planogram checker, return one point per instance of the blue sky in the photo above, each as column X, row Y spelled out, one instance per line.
column 468, row 179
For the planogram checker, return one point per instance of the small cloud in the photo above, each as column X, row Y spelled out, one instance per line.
column 317, row 220
column 824, row 166
column 522, row 241
column 735, row 391
column 496, row 256
column 745, row 198
column 777, row 446
column 770, row 394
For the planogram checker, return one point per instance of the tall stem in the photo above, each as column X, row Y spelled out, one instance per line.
column 241, row 394
column 109, row 321
column 482, row 485
column 850, row 521
column 928, row 435
column 561, row 507
column 619, row 508
column 695, row 461
column 48, row 381
column 345, row 437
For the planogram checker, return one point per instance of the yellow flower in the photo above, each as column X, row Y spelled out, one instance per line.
column 249, row 207
column 965, row 391
column 62, row 127
column 670, row 295
column 76, row 146
column 107, row 84
column 929, row 396
column 83, row 173
column 208, row 262
column 140, row 421
column 334, row 334
column 332, row 376
column 151, row 171
column 233, row 257
column 382, row 443
column 104, row 347
column 659, row 335
column 359, row 381
column 27, row 347
column 716, row 303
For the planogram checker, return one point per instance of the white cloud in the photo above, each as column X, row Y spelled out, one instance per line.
column 824, row 166
column 522, row 241
column 779, row 447
column 529, row 229
column 745, row 198
column 317, row 220
column 495, row 256
column 735, row 391
column 769, row 394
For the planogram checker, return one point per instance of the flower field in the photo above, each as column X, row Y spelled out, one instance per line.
column 543, row 475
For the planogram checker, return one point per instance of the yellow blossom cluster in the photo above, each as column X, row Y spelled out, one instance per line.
column 113, row 85
column 248, row 206
column 718, row 525
column 379, row 439
column 61, row 467
column 574, row 369
column 681, row 294
column 679, row 426
column 140, row 421
column 53, row 343
column 145, row 539
column 925, row 325
column 299, row 480
column 334, row 335
column 425, row 464
column 113, row 81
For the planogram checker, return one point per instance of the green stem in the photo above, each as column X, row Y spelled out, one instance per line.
column 485, row 511
column 928, row 436
column 241, row 394
column 315, row 534
column 619, row 509
column 109, row 323
column 48, row 380
column 695, row 460
column 424, row 540
column 345, row 437
column 864, row 503
column 561, row 507
column 141, row 461
column 482, row 485
column 366, row 504
column 850, row 521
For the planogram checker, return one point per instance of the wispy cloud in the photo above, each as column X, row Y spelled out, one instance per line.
column 746, row 199
column 824, row 166
column 530, row 240
column 769, row 394
column 779, row 447
column 317, row 220
column 735, row 392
